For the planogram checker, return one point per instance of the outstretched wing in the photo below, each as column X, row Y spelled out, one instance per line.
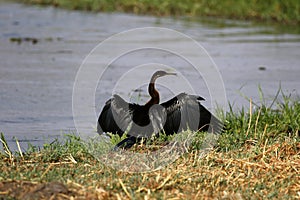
column 116, row 116
column 185, row 112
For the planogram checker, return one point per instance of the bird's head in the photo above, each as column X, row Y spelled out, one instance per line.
column 161, row 73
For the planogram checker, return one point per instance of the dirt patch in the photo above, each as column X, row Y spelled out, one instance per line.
column 31, row 190
column 53, row 190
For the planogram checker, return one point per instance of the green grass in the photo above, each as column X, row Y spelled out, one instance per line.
column 273, row 123
column 257, row 156
column 282, row 11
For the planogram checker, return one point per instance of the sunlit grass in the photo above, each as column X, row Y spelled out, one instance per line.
column 262, row 123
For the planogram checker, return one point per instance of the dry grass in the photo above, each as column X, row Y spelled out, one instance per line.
column 244, row 173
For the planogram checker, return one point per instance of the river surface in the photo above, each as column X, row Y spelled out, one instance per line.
column 42, row 49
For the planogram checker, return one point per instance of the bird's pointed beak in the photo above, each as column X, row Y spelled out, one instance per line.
column 171, row 73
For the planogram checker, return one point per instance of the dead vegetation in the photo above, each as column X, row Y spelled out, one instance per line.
column 240, row 174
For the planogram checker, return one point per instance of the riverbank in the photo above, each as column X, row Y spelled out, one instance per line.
column 280, row 11
column 256, row 157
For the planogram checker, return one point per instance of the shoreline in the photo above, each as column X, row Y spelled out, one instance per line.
column 277, row 12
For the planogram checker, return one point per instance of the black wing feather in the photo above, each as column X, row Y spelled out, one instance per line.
column 186, row 112
column 115, row 116
column 118, row 116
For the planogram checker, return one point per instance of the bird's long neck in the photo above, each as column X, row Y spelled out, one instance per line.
column 153, row 93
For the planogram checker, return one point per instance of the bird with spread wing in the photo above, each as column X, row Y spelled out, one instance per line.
column 180, row 113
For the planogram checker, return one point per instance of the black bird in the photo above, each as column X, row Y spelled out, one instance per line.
column 142, row 121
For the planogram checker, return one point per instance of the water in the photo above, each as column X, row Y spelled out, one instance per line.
column 41, row 50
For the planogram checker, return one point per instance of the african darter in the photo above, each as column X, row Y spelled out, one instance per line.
column 143, row 121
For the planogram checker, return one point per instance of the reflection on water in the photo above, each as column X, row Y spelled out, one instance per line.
column 41, row 50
